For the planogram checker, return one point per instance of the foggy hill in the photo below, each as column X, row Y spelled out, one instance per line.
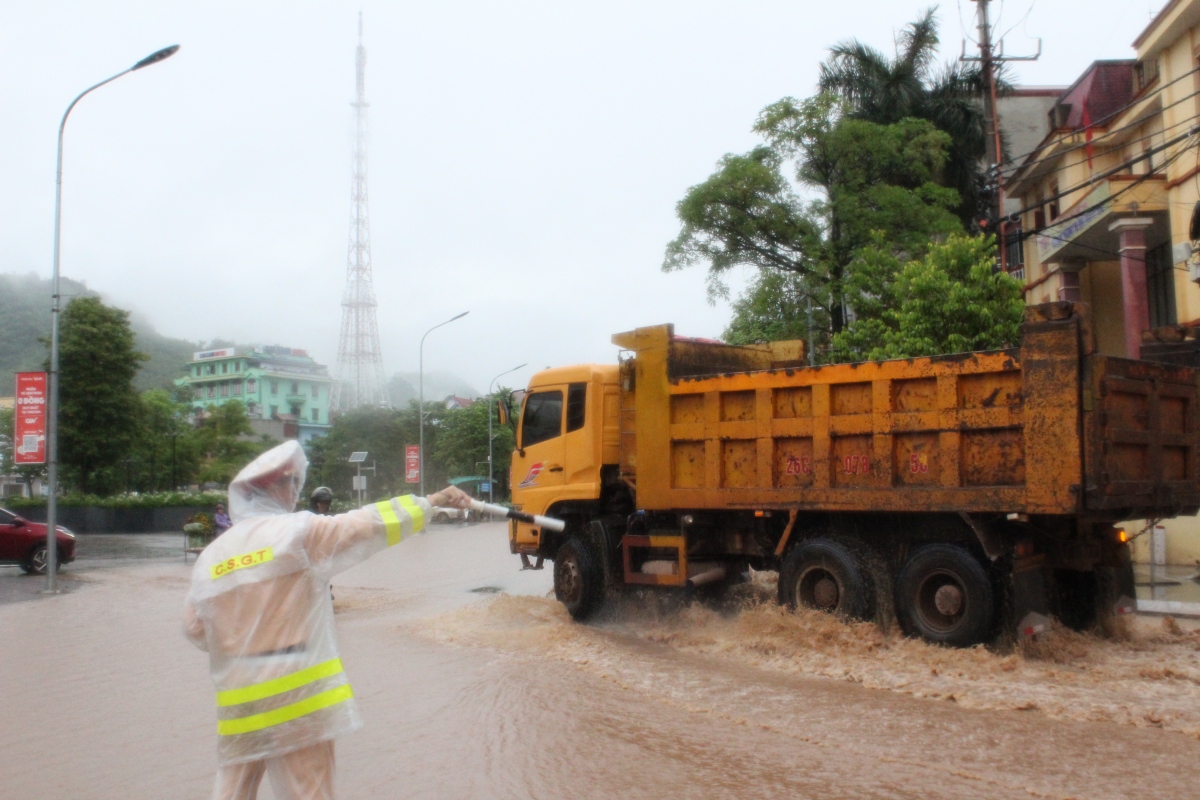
column 25, row 318
column 438, row 385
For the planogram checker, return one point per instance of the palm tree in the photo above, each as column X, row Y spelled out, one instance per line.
column 885, row 91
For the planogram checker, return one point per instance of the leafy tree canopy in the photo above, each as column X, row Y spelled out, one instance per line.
column 950, row 301
column 874, row 185
column 911, row 85
column 97, row 401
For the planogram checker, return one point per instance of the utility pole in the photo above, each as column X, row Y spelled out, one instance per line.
column 991, row 113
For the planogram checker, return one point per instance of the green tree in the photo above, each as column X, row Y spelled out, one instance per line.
column 910, row 85
column 876, row 186
column 225, row 442
column 462, row 443
column 97, row 402
column 166, row 452
column 950, row 301
column 774, row 307
column 383, row 433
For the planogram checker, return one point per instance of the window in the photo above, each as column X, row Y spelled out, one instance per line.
column 295, row 388
column 224, row 369
column 5, row 518
column 212, row 390
column 316, row 415
column 211, row 369
column 576, row 405
column 237, row 389
column 542, row 419
column 196, row 370
column 199, row 393
column 224, row 390
column 274, row 411
column 251, row 386
column 316, row 391
column 1160, row 285
column 274, row 388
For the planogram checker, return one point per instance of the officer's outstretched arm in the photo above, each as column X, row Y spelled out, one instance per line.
column 338, row 543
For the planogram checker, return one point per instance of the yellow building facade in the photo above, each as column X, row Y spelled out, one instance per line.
column 1105, row 202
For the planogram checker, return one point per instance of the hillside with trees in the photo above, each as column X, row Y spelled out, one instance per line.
column 25, row 327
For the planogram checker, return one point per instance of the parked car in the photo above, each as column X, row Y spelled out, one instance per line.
column 442, row 515
column 24, row 542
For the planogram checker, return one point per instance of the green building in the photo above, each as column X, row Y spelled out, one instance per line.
column 286, row 392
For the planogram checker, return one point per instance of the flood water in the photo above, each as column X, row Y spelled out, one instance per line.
column 474, row 684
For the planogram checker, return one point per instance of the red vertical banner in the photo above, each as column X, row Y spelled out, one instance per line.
column 412, row 464
column 29, row 418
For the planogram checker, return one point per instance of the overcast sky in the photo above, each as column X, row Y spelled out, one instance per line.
column 525, row 157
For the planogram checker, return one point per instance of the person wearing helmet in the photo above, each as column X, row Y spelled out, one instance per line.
column 259, row 606
column 319, row 500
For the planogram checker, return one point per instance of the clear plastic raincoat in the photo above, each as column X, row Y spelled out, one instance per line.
column 260, row 606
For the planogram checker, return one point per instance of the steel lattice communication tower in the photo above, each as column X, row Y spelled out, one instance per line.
column 360, row 361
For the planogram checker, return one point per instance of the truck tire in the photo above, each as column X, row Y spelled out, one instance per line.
column 944, row 595
column 826, row 575
column 578, row 578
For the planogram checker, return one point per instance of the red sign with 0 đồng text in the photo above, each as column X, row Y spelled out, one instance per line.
column 29, row 419
column 412, row 464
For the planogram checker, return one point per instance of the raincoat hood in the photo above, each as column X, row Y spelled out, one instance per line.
column 270, row 484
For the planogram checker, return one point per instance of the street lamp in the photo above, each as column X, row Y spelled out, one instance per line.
column 421, row 400
column 491, row 402
column 52, row 406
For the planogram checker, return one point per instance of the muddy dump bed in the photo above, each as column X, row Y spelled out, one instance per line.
column 1048, row 428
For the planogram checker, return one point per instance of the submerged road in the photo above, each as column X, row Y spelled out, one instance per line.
column 474, row 685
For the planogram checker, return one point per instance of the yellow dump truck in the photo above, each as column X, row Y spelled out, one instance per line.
column 971, row 496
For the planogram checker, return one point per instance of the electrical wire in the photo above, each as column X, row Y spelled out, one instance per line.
column 1145, row 155
column 1018, row 22
column 1100, row 138
column 1058, row 222
column 1137, row 100
column 1113, row 149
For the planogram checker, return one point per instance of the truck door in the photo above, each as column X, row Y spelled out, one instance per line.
column 539, row 472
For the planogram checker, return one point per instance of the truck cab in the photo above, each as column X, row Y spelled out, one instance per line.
column 568, row 433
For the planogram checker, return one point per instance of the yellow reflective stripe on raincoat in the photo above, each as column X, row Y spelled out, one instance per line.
column 267, row 719
column 415, row 511
column 390, row 521
column 285, row 683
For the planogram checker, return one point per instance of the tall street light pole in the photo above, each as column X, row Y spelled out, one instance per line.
column 491, row 402
column 52, row 406
column 421, row 400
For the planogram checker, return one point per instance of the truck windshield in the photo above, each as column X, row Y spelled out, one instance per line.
column 543, row 417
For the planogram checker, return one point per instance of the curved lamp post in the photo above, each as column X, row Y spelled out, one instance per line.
column 421, row 401
column 492, row 402
column 52, row 389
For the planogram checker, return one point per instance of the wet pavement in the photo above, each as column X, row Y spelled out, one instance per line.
column 475, row 684
column 93, row 551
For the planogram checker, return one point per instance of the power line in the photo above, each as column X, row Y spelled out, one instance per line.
column 1146, row 154
column 1112, row 149
column 1102, row 136
column 1137, row 100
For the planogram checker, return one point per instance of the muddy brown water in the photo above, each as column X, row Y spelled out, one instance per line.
column 473, row 683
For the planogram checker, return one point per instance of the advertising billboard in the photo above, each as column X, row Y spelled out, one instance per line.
column 412, row 464
column 29, row 419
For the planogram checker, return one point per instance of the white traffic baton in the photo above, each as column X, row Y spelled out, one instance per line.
column 549, row 523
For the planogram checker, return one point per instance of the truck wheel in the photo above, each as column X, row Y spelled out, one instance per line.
column 825, row 575
column 944, row 595
column 578, row 579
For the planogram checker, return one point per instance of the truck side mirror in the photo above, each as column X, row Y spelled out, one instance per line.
column 502, row 411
